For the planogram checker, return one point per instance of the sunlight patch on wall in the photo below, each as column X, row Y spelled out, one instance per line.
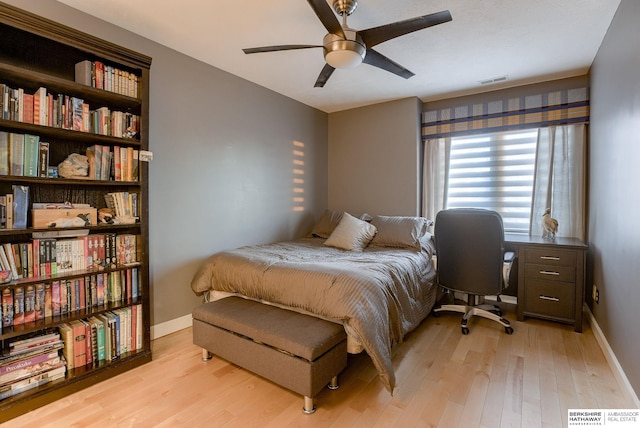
column 298, row 176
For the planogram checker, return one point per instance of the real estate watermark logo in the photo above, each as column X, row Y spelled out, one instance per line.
column 626, row 418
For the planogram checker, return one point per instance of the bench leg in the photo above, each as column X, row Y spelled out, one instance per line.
column 206, row 355
column 334, row 383
column 309, row 407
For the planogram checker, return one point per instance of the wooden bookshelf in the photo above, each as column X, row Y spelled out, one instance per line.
column 37, row 52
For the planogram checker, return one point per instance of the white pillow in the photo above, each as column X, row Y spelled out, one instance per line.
column 351, row 234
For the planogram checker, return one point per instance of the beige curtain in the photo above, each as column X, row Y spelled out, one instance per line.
column 560, row 179
column 436, row 165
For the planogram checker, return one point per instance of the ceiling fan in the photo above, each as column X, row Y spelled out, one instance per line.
column 345, row 47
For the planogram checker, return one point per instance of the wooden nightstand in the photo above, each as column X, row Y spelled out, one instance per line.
column 551, row 276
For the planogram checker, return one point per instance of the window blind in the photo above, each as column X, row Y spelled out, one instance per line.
column 494, row 171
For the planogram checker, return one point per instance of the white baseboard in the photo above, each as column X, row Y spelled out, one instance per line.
column 621, row 377
column 168, row 327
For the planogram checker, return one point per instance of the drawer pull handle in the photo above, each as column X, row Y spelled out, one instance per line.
column 546, row 272
column 553, row 299
column 550, row 258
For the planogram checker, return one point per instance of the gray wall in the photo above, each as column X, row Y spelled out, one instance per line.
column 374, row 159
column 222, row 172
column 614, row 229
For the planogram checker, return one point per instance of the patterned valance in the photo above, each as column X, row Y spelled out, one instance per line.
column 531, row 111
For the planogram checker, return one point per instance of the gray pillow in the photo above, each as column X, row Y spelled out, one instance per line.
column 399, row 231
column 326, row 224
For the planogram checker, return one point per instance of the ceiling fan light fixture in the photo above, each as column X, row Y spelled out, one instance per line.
column 341, row 53
column 343, row 58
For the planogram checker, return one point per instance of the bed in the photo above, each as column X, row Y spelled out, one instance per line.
column 376, row 278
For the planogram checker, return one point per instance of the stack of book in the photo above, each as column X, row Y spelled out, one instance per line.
column 31, row 362
column 103, row 337
column 65, row 112
column 23, row 304
column 103, row 76
column 23, row 155
column 50, row 256
column 121, row 164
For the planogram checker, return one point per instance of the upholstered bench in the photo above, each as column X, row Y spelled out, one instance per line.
column 299, row 352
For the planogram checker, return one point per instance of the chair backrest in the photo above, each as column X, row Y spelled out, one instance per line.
column 470, row 250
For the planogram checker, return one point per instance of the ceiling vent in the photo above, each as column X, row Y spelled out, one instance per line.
column 494, row 80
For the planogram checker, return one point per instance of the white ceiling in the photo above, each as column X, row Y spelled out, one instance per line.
column 526, row 40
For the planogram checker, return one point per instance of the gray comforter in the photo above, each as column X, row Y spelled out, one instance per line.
column 380, row 294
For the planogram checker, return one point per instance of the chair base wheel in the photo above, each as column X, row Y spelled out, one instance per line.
column 465, row 330
column 508, row 330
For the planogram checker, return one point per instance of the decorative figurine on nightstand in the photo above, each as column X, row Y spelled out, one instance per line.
column 549, row 225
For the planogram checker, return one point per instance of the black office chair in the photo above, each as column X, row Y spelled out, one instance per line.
column 471, row 260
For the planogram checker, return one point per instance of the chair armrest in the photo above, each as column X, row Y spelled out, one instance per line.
column 509, row 257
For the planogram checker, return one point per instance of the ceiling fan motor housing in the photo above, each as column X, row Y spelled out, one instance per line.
column 345, row 6
column 344, row 53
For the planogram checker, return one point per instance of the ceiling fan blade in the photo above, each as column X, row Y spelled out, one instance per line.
column 378, row 60
column 326, row 72
column 278, row 48
column 377, row 35
column 325, row 14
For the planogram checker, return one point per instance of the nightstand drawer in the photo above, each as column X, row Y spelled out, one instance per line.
column 553, row 299
column 550, row 273
column 550, row 257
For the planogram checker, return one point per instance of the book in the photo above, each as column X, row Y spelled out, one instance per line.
column 4, row 261
column 20, row 206
column 108, row 336
column 31, row 155
column 8, row 250
column 16, row 154
column 4, row 153
column 65, row 297
column 40, row 106
column 25, row 362
column 79, row 343
column 30, row 343
column 29, row 303
column 18, row 305
column 133, row 313
column 88, row 343
column 139, row 328
column 84, row 73
column 4, row 101
column 135, row 172
column 48, row 302
column 115, row 324
column 66, row 333
column 77, row 122
column 7, row 307
column 56, row 303
column 99, row 335
column 27, row 108
column 43, row 159
column 9, row 209
column 39, row 301
column 100, row 289
column 17, row 260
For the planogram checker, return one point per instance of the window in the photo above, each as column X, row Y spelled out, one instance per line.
column 494, row 171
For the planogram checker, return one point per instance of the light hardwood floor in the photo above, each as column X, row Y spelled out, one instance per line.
column 445, row 379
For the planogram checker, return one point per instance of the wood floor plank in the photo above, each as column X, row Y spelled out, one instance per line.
column 486, row 379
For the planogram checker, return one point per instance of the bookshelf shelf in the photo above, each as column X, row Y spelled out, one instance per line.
column 66, row 134
column 36, row 53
